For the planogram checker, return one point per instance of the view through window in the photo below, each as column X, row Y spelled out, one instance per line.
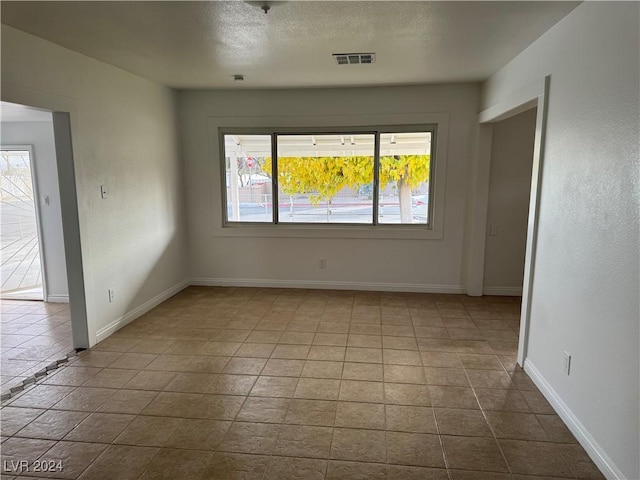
column 369, row 178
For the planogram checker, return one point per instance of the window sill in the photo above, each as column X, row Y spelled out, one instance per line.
column 406, row 232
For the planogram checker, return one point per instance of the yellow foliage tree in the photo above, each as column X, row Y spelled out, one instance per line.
column 323, row 177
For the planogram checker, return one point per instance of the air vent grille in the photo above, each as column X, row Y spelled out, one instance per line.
column 354, row 58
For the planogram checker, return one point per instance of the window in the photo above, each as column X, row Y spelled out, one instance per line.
column 372, row 177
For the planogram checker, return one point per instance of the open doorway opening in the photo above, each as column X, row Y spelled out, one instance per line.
column 21, row 275
column 512, row 151
column 36, row 320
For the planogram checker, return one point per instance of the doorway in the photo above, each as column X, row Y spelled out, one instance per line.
column 21, row 270
column 34, row 299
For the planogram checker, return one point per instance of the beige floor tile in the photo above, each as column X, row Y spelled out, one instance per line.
column 402, row 357
column 285, row 468
column 371, row 372
column 473, row 453
column 360, row 415
column 318, row 389
column 517, row 426
column 535, row 458
column 407, row 418
column 170, row 464
column 133, row 360
column 42, row 396
column 359, row 391
column 255, row 350
column 236, row 466
column 100, row 428
column 150, row 380
column 127, row 401
column 322, row 369
column 483, row 362
column 325, row 352
column 244, row 383
column 304, row 441
column 406, row 394
column 248, row 437
column 246, row 366
column 292, row 352
column 364, row 355
column 275, row 387
column 283, row 368
column 12, row 419
column 555, row 429
column 452, row 397
column 339, row 470
column 365, row 341
column 404, row 374
column 297, row 338
column 365, row 329
column 268, row 410
column 221, row 349
column 469, row 423
column 401, row 472
column 399, row 343
column 224, row 384
column 330, row 339
column 198, row 434
column 148, row 431
column 358, row 445
column 333, row 327
column 454, row 377
column 84, row 399
column 71, row 376
column 311, row 412
column 75, row 457
column 123, row 462
column 414, row 449
column 502, row 400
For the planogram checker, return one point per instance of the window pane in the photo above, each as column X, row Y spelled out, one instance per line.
column 248, row 178
column 325, row 178
column 405, row 166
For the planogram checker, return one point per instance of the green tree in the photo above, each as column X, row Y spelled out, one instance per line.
column 323, row 177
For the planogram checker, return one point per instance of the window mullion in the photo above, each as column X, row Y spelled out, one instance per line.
column 376, row 175
column 274, row 178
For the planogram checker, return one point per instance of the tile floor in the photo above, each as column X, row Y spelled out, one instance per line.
column 32, row 335
column 226, row 383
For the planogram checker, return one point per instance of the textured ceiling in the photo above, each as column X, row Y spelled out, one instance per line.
column 203, row 44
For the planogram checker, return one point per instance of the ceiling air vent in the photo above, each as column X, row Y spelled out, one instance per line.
column 354, row 58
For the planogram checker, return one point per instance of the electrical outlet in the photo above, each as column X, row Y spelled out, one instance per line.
column 323, row 263
column 111, row 295
column 567, row 363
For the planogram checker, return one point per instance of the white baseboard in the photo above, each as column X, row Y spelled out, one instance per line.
column 503, row 291
column 591, row 446
column 128, row 317
column 327, row 285
column 58, row 298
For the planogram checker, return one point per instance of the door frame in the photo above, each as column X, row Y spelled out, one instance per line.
column 36, row 203
column 535, row 94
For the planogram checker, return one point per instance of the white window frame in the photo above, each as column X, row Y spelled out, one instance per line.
column 384, row 123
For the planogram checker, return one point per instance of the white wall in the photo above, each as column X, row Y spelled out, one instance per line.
column 125, row 137
column 586, row 280
column 510, row 186
column 356, row 258
column 40, row 136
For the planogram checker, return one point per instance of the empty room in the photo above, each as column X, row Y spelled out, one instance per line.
column 320, row 239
